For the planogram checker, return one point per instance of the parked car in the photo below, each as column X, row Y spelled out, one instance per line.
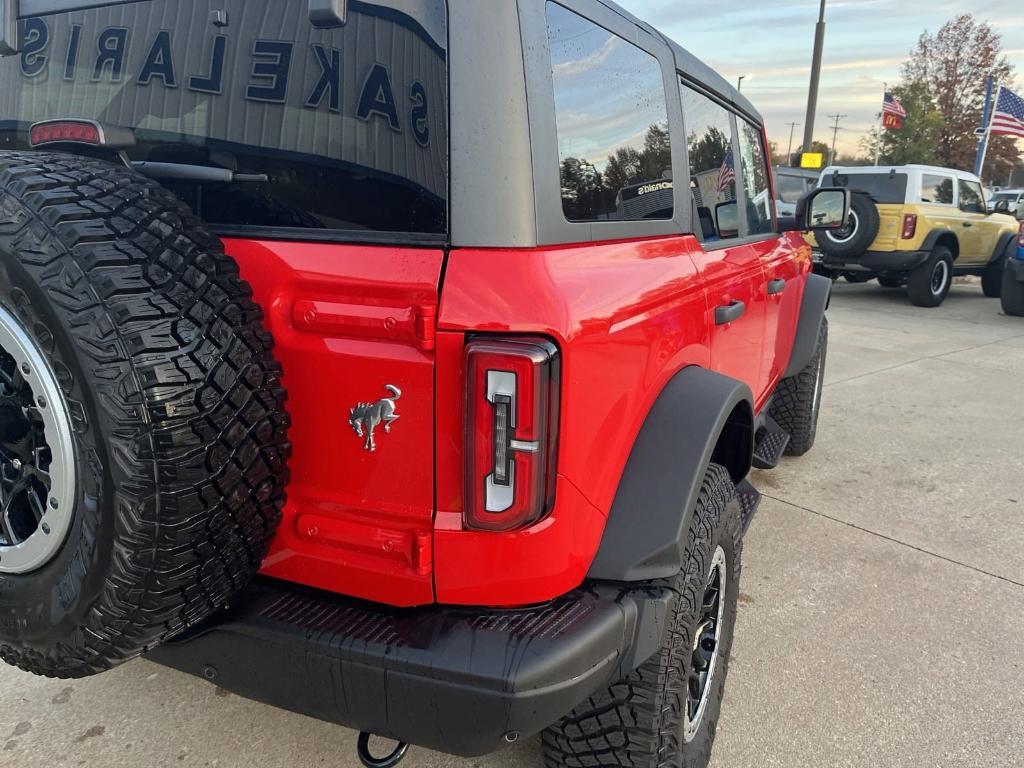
column 1006, row 201
column 791, row 184
column 1012, row 297
column 522, row 400
column 917, row 226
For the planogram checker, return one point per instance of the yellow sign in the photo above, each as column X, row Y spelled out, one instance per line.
column 812, row 160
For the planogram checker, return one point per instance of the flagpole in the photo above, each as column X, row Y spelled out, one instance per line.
column 986, row 127
column 881, row 125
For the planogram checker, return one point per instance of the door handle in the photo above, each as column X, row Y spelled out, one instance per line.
column 776, row 287
column 728, row 313
column 967, row 224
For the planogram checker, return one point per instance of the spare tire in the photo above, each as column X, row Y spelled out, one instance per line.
column 860, row 231
column 143, row 436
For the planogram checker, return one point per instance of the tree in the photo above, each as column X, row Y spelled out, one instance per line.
column 954, row 64
column 709, row 150
column 919, row 139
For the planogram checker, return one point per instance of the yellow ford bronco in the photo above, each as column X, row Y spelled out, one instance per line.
column 918, row 226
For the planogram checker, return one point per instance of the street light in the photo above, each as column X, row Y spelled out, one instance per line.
column 739, row 82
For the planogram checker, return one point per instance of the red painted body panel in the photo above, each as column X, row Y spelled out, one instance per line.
column 346, row 321
column 626, row 316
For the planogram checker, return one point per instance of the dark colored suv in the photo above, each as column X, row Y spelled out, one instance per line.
column 400, row 363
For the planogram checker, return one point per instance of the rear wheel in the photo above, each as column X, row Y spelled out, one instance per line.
column 664, row 715
column 142, row 426
column 797, row 401
column 928, row 285
column 992, row 278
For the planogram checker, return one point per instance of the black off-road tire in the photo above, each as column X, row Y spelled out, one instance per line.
column 797, row 400
column 858, row 234
column 639, row 721
column 923, row 283
column 1012, row 298
column 992, row 278
column 179, row 428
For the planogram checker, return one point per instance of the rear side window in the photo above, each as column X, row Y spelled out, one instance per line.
column 755, row 180
column 331, row 129
column 792, row 188
column 881, row 187
column 614, row 152
column 712, row 165
column 971, row 198
column 936, row 189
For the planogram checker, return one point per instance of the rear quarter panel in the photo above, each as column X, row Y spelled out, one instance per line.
column 626, row 316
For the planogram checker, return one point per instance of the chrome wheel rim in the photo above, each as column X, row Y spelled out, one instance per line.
column 845, row 233
column 707, row 639
column 37, row 480
column 940, row 274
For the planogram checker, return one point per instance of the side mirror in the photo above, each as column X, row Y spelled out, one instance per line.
column 1001, row 206
column 727, row 219
column 823, row 208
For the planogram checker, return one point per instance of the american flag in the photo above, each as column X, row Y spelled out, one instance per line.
column 891, row 106
column 1008, row 117
column 727, row 173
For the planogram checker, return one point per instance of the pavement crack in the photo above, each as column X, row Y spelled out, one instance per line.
column 899, row 542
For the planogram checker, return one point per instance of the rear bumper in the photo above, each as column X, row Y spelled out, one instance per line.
column 460, row 681
column 874, row 261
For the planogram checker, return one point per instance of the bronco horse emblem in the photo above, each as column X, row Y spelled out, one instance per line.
column 364, row 418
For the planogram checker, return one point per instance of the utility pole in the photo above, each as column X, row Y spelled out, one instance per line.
column 835, row 134
column 789, row 152
column 812, row 96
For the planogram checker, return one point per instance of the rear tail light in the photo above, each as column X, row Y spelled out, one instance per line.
column 511, row 432
column 87, row 132
column 909, row 226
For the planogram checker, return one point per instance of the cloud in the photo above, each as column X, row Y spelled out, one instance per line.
column 866, row 41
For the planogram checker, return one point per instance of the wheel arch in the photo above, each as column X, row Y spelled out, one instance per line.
column 700, row 417
column 944, row 237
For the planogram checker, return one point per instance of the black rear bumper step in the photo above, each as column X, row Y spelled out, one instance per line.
column 461, row 681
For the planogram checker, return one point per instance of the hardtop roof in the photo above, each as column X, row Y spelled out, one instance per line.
column 900, row 169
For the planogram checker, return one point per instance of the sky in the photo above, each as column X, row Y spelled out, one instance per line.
column 866, row 41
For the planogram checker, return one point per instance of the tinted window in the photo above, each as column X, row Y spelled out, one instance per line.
column 936, row 189
column 792, row 188
column 971, row 199
column 755, row 180
column 612, row 118
column 333, row 128
column 712, row 165
column 881, row 187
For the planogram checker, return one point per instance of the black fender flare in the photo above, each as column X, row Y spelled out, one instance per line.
column 817, row 294
column 932, row 240
column 699, row 417
column 1004, row 247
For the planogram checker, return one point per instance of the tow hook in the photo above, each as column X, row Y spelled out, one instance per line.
column 363, row 748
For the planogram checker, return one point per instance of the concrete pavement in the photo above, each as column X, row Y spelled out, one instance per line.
column 882, row 608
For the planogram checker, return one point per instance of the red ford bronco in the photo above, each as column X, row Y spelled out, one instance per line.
column 399, row 363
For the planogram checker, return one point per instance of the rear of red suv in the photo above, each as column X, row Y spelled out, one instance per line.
column 392, row 373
